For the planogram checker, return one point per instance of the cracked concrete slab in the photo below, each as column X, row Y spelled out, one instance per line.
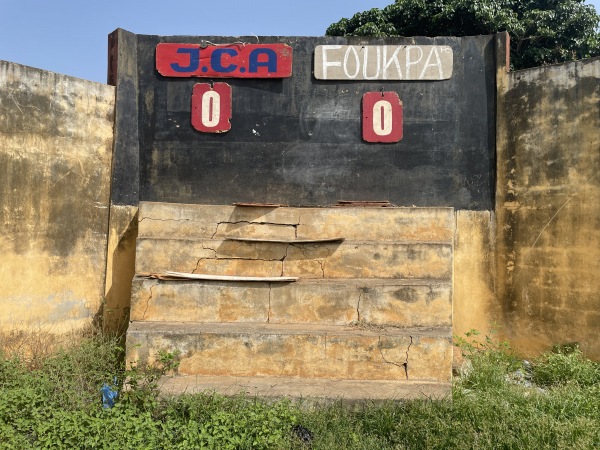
column 315, row 351
column 154, row 300
column 217, row 221
column 348, row 259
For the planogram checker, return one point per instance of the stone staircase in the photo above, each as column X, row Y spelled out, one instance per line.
column 369, row 317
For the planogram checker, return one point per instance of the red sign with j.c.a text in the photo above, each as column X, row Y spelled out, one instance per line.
column 224, row 61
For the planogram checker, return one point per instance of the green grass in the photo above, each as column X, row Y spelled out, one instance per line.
column 498, row 402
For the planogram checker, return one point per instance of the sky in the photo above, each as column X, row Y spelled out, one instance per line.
column 70, row 36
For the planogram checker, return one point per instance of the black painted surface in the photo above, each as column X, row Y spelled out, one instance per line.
column 125, row 165
column 298, row 141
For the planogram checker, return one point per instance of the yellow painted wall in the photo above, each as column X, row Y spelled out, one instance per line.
column 56, row 135
column 548, row 206
column 475, row 305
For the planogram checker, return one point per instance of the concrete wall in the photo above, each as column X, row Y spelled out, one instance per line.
column 56, row 136
column 548, row 206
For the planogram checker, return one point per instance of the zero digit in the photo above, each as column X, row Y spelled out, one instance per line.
column 210, row 113
column 382, row 119
column 211, row 107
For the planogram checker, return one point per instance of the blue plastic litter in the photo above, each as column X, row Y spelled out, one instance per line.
column 109, row 394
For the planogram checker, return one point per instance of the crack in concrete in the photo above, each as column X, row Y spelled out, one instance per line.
column 322, row 265
column 211, row 249
column 301, row 248
column 148, row 302
column 296, row 227
column 406, row 362
column 163, row 220
column 287, row 247
column 360, row 292
column 247, row 222
column 403, row 365
column 216, row 230
column 269, row 310
column 198, row 264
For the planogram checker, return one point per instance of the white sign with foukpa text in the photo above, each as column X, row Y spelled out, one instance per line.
column 383, row 62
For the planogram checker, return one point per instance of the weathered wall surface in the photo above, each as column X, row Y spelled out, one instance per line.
column 120, row 266
column 548, row 206
column 475, row 305
column 56, row 136
column 122, row 231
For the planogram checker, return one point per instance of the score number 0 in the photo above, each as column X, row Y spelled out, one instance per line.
column 382, row 117
column 211, row 107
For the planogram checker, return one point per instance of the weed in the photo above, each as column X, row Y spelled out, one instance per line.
column 141, row 384
column 488, row 361
column 30, row 344
column 565, row 364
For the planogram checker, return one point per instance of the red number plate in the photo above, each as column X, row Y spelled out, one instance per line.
column 211, row 107
column 382, row 117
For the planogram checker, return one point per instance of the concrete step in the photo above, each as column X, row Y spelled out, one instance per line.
column 349, row 391
column 404, row 303
column 297, row 350
column 165, row 220
column 348, row 259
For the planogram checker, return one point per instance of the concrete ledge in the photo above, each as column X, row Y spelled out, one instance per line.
column 350, row 391
column 375, row 307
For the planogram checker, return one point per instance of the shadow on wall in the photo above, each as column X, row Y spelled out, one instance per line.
column 119, row 275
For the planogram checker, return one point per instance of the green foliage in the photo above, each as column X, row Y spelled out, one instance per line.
column 216, row 422
column 565, row 365
column 141, row 383
column 71, row 376
column 58, row 406
column 542, row 31
column 489, row 361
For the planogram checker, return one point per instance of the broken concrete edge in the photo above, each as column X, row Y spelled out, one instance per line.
column 174, row 329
